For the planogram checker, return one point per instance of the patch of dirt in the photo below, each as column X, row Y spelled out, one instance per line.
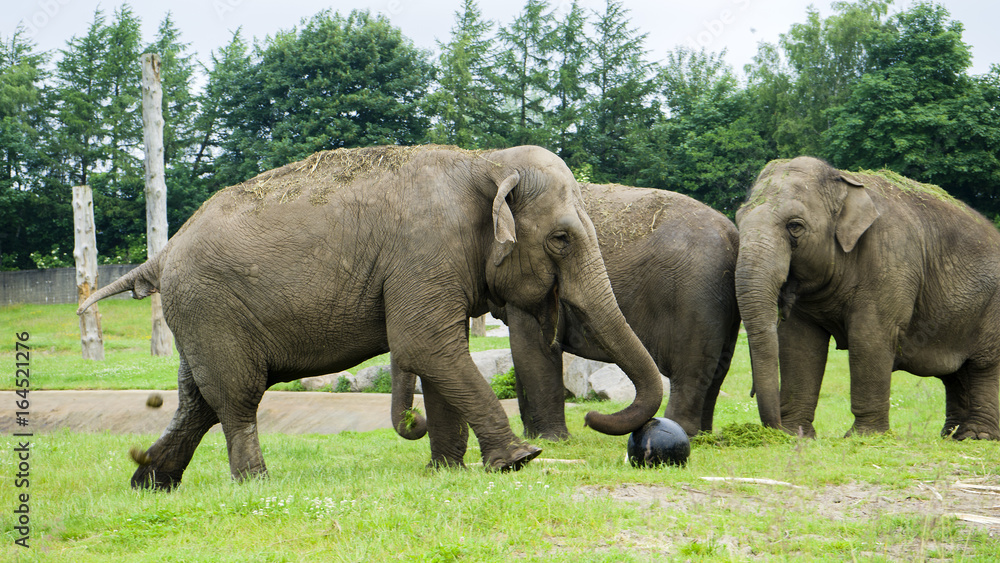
column 850, row 503
column 288, row 412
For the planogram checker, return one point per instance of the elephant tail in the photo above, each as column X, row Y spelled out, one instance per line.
column 143, row 281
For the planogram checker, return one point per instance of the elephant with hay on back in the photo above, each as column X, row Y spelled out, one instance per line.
column 899, row 273
column 671, row 262
column 316, row 266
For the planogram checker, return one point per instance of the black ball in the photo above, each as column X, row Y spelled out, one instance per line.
column 659, row 441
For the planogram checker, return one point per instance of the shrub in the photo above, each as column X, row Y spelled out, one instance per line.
column 381, row 384
column 343, row 385
column 503, row 385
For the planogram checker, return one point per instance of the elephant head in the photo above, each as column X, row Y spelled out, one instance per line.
column 801, row 219
column 542, row 253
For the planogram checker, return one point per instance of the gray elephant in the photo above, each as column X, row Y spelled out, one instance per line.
column 899, row 273
column 671, row 261
column 316, row 266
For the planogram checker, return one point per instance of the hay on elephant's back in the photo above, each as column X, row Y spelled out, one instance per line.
column 324, row 172
column 618, row 226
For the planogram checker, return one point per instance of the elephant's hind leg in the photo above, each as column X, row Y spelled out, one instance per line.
column 971, row 403
column 233, row 385
column 163, row 464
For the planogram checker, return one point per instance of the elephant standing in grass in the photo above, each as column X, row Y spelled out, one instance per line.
column 899, row 273
column 316, row 266
column 671, row 261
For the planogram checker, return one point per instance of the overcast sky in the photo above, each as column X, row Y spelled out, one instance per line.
column 735, row 25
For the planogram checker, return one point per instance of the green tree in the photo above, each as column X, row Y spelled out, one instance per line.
column 813, row 68
column 21, row 114
column 706, row 146
column 572, row 53
column 622, row 88
column 97, row 134
column 466, row 99
column 920, row 114
column 213, row 167
column 525, row 71
column 337, row 82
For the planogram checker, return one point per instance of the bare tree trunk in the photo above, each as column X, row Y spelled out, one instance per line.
column 85, row 253
column 156, row 189
column 479, row 326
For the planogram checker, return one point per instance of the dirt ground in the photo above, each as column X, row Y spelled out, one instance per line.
column 289, row 412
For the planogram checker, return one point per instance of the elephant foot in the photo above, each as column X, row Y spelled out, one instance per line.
column 147, row 476
column 858, row 430
column 552, row 435
column 802, row 430
column 969, row 432
column 514, row 461
column 445, row 464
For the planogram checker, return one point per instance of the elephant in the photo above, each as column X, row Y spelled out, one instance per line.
column 318, row 265
column 900, row 274
column 671, row 261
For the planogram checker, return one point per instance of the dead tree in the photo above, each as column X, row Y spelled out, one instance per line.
column 85, row 253
column 156, row 189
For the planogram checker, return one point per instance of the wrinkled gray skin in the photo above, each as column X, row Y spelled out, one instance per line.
column 904, row 279
column 671, row 261
column 311, row 269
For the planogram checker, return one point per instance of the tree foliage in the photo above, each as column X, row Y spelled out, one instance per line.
column 860, row 87
column 919, row 113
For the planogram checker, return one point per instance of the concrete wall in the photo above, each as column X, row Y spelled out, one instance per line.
column 54, row 285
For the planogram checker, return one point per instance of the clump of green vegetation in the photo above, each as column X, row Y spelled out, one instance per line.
column 381, row 384
column 503, row 385
column 410, row 417
column 746, row 435
column 343, row 385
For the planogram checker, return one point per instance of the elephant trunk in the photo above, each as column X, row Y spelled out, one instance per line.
column 407, row 421
column 597, row 308
column 761, row 270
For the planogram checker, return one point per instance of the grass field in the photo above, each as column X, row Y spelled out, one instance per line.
column 368, row 497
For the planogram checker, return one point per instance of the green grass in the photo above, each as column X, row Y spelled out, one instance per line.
column 368, row 496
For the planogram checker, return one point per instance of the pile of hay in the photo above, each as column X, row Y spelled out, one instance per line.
column 746, row 435
column 323, row 172
column 617, row 226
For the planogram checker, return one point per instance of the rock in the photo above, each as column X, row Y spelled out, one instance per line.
column 321, row 381
column 493, row 362
column 365, row 378
column 610, row 383
column 576, row 374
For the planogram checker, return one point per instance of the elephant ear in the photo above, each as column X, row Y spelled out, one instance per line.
column 857, row 214
column 503, row 219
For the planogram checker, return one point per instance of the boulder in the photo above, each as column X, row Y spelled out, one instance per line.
column 493, row 362
column 322, row 381
column 576, row 374
column 610, row 383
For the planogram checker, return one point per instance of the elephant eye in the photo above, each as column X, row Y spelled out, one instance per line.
column 559, row 242
column 796, row 228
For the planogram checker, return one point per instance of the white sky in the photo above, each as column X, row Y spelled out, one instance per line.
column 735, row 25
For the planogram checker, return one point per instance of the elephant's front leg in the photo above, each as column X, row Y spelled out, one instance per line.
column 446, row 429
column 871, row 355
column 802, row 350
column 455, row 392
column 538, row 370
